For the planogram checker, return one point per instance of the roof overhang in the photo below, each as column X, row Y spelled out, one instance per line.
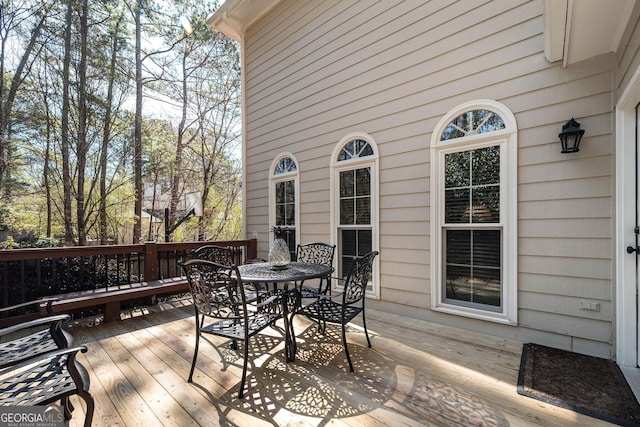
column 575, row 30
column 233, row 17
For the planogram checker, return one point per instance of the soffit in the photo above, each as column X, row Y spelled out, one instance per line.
column 233, row 17
column 576, row 30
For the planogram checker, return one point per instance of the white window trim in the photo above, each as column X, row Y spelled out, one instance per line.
column 273, row 179
column 334, row 180
column 507, row 139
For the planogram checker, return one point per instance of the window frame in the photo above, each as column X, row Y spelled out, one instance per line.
column 371, row 162
column 506, row 139
column 283, row 177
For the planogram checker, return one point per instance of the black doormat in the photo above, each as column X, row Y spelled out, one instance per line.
column 584, row 384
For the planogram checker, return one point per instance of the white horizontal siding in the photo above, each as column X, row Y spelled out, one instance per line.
column 317, row 71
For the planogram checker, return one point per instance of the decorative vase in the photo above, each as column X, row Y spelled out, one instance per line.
column 279, row 256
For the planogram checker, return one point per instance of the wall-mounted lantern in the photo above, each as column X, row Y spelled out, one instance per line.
column 570, row 136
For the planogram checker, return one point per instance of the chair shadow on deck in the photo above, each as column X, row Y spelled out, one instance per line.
column 318, row 385
column 315, row 385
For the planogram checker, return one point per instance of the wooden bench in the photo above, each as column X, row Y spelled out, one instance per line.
column 110, row 299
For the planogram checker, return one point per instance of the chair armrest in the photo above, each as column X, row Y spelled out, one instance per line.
column 51, row 355
column 268, row 301
column 37, row 302
column 49, row 320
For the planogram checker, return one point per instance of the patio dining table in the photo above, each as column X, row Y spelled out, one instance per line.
column 262, row 272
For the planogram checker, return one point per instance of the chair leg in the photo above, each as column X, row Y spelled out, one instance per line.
column 346, row 348
column 68, row 408
column 88, row 399
column 244, row 369
column 366, row 332
column 195, row 355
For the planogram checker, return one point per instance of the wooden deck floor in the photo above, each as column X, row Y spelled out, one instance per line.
column 416, row 374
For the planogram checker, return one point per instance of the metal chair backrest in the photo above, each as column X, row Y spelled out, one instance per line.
column 316, row 252
column 224, row 255
column 357, row 280
column 214, row 289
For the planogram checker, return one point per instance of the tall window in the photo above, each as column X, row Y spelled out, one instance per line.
column 284, row 197
column 474, row 213
column 354, row 189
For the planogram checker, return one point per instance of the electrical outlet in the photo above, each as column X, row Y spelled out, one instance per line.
column 589, row 305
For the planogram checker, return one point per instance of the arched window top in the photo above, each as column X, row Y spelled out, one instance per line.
column 474, row 119
column 286, row 164
column 354, row 149
column 472, row 122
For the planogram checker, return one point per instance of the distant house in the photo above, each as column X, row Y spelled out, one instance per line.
column 428, row 130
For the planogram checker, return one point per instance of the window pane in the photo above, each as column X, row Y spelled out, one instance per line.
column 354, row 149
column 290, row 238
column 349, row 244
column 291, row 213
column 285, row 165
column 471, row 123
column 472, row 186
column 347, row 184
column 364, row 242
column 456, row 281
column 473, row 266
column 458, row 247
column 456, row 204
column 456, row 170
column 486, row 204
column 486, row 248
column 363, row 209
column 347, row 214
column 486, row 166
column 364, row 149
column 280, row 191
column 353, row 243
column 280, row 215
column 290, row 189
column 363, row 182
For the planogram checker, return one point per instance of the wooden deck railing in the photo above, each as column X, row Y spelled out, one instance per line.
column 28, row 274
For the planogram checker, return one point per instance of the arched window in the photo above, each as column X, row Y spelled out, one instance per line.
column 283, row 197
column 473, row 211
column 354, row 195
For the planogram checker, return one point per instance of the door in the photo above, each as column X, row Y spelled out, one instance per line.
column 634, row 248
column 627, row 336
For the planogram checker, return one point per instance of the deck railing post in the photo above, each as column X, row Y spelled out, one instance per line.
column 150, row 261
column 252, row 249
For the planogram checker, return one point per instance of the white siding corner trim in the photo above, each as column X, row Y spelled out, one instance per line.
column 505, row 141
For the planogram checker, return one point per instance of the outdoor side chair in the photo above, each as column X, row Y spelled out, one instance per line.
column 316, row 253
column 221, row 308
column 342, row 308
column 225, row 255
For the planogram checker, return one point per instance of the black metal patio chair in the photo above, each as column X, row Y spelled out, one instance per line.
column 38, row 363
column 221, row 308
column 225, row 255
column 316, row 253
column 228, row 255
column 24, row 339
column 343, row 307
